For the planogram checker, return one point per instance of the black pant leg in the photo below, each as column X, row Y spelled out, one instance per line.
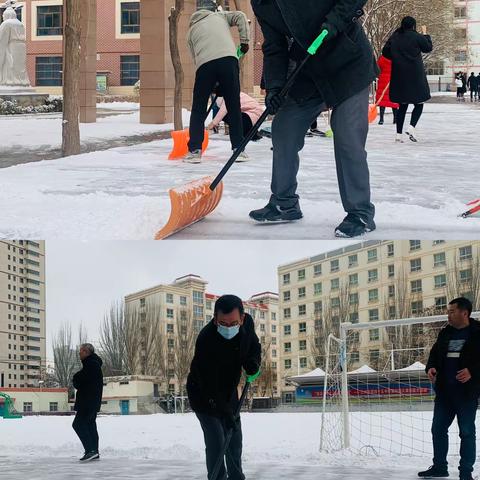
column 93, row 432
column 416, row 114
column 80, row 425
column 382, row 113
column 402, row 112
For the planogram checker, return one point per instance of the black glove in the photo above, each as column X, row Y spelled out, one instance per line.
column 273, row 101
column 244, row 48
column 332, row 30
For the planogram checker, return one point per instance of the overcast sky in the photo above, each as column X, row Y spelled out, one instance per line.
column 83, row 278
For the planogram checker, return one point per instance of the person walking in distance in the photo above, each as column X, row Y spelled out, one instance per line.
column 383, row 89
column 454, row 369
column 472, row 83
column 409, row 83
column 89, row 385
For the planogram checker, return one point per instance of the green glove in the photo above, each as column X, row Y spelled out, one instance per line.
column 252, row 378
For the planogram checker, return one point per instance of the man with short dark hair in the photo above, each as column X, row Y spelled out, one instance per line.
column 224, row 346
column 89, row 384
column 454, row 369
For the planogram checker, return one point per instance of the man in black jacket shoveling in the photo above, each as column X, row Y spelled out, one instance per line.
column 89, row 384
column 337, row 77
column 454, row 369
column 223, row 347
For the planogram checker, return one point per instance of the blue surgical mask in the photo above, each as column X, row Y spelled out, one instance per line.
column 228, row 332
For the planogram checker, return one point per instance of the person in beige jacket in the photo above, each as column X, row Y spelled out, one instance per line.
column 216, row 62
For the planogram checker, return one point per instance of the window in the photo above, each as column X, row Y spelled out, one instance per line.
column 286, row 296
column 301, row 292
column 317, row 307
column 317, row 270
column 288, row 364
column 465, row 253
column 130, row 12
column 317, row 288
column 373, row 315
column 416, row 286
column 390, row 250
column 274, row 353
column 439, row 259
column 302, row 327
column 374, row 355
column 302, row 345
column 436, row 68
column 460, row 33
column 353, row 299
column 352, row 261
column 274, row 316
column 183, row 301
column 287, row 313
column 48, row 71
column 54, row 406
column 460, row 56
column 49, row 20
column 170, row 328
column 355, row 356
column 129, row 69
column 301, row 274
column 441, row 303
column 302, row 309
column 440, row 281
column 334, row 266
column 353, row 317
column 335, row 284
column 373, row 275
column 335, row 302
column 169, row 313
column 287, row 347
column 169, row 298
column 353, row 279
column 417, row 307
column 460, row 12
column 415, row 245
column 27, row 407
column 391, row 291
column 198, row 311
column 466, row 275
column 287, row 329
column 286, row 278
column 373, row 295
column 303, row 362
column 415, row 265
column 374, row 334
column 274, row 329
column 392, row 312
column 372, row 255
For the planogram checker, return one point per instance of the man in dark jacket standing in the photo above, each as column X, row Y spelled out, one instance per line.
column 89, row 385
column 223, row 347
column 472, row 83
column 337, row 77
column 454, row 369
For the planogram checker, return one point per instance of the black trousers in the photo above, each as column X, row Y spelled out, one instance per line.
column 402, row 112
column 382, row 114
column 246, row 125
column 214, row 433
column 85, row 426
column 226, row 72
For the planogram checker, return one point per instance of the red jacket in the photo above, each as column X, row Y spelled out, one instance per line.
column 385, row 66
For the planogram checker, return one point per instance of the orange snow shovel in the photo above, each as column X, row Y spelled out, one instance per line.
column 373, row 109
column 194, row 201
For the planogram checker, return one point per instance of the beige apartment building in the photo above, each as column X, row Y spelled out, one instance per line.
column 22, row 313
column 186, row 303
column 367, row 282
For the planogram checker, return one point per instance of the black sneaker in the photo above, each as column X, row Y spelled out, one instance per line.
column 273, row 213
column 380, row 122
column 317, row 133
column 434, row 472
column 354, row 226
column 88, row 457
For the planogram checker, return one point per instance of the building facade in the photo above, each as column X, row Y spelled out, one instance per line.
column 367, row 282
column 22, row 313
column 32, row 401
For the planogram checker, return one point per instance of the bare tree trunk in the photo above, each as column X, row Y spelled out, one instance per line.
column 173, row 21
column 71, row 75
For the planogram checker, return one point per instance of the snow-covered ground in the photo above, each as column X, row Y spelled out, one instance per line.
column 122, row 193
column 276, row 445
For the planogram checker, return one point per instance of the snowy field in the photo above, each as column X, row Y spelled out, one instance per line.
column 122, row 193
column 280, row 445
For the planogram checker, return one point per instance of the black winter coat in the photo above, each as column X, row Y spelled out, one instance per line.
column 472, row 82
column 342, row 67
column 216, row 368
column 469, row 358
column 89, row 384
column 409, row 81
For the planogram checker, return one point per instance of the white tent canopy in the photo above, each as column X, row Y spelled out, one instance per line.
column 413, row 367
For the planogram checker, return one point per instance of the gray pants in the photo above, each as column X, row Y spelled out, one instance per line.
column 214, row 433
column 349, row 123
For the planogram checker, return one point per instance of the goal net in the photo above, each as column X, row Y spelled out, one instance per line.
column 376, row 396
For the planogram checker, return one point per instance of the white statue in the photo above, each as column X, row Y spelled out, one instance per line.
column 13, row 51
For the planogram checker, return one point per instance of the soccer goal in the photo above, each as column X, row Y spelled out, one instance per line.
column 377, row 398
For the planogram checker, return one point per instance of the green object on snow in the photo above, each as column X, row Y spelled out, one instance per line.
column 252, row 378
column 240, row 54
column 312, row 49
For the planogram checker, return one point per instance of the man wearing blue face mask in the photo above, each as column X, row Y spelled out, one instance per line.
column 224, row 346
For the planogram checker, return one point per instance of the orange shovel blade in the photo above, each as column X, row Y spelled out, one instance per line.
column 190, row 203
column 180, row 143
column 372, row 113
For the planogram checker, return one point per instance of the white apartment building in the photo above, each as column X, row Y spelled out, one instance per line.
column 366, row 282
column 22, row 313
